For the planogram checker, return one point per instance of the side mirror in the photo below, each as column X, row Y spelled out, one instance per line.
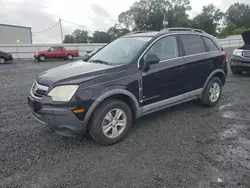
column 150, row 59
column 48, row 50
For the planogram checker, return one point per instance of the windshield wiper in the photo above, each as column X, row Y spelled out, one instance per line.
column 99, row 61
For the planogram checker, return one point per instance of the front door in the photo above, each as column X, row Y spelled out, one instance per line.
column 164, row 80
column 51, row 52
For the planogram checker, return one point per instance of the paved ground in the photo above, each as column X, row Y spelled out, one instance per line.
column 184, row 146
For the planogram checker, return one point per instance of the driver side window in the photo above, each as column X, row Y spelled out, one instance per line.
column 52, row 49
column 165, row 48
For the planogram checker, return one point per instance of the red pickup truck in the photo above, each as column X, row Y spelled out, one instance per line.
column 58, row 52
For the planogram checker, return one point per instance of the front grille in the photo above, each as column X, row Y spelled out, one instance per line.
column 39, row 90
column 39, row 93
column 246, row 54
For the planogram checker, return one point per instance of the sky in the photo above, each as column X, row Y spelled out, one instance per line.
column 96, row 14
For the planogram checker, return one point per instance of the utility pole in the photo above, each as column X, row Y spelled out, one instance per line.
column 164, row 21
column 60, row 22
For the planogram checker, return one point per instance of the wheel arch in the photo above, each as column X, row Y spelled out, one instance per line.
column 42, row 55
column 219, row 73
column 121, row 94
column 69, row 54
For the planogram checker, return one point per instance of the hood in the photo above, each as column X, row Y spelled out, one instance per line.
column 246, row 37
column 42, row 51
column 76, row 72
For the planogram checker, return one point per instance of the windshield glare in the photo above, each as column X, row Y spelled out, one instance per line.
column 121, row 51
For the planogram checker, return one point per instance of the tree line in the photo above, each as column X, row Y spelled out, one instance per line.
column 157, row 14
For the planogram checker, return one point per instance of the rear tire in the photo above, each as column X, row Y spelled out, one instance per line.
column 212, row 93
column 236, row 72
column 111, row 122
column 42, row 58
column 2, row 60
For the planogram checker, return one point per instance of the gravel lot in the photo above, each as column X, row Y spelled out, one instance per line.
column 184, row 146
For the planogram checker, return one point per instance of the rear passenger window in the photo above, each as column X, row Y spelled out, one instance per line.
column 211, row 46
column 193, row 44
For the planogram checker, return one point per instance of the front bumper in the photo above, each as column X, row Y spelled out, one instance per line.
column 10, row 58
column 60, row 119
column 240, row 63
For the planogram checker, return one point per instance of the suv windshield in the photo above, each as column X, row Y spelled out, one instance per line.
column 121, row 51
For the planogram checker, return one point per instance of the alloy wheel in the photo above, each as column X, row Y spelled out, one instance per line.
column 2, row 60
column 214, row 92
column 114, row 123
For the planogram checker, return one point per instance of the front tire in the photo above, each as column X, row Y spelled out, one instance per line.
column 212, row 93
column 2, row 60
column 42, row 58
column 111, row 122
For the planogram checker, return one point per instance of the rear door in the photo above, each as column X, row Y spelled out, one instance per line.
column 60, row 52
column 198, row 62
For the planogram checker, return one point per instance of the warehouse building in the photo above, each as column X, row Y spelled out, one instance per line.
column 13, row 34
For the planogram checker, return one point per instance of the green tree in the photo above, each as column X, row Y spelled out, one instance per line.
column 101, row 37
column 80, row 36
column 208, row 19
column 149, row 14
column 177, row 15
column 69, row 39
column 126, row 19
column 226, row 31
column 231, row 29
column 239, row 31
column 239, row 15
column 116, row 32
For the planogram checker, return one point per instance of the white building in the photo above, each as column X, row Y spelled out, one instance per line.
column 13, row 34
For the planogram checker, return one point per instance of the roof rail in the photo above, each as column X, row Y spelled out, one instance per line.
column 135, row 32
column 181, row 29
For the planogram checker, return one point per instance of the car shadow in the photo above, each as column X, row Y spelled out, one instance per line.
column 7, row 62
column 156, row 115
column 86, row 140
column 245, row 74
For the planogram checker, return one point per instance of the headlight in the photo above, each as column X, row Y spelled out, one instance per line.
column 63, row 93
column 237, row 52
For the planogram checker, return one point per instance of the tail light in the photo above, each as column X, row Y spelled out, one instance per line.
column 225, row 55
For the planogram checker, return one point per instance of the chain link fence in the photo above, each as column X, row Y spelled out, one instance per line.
column 27, row 50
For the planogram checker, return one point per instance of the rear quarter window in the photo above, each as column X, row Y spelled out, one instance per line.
column 211, row 46
column 193, row 44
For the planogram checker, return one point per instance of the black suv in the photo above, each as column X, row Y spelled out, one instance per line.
column 137, row 74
